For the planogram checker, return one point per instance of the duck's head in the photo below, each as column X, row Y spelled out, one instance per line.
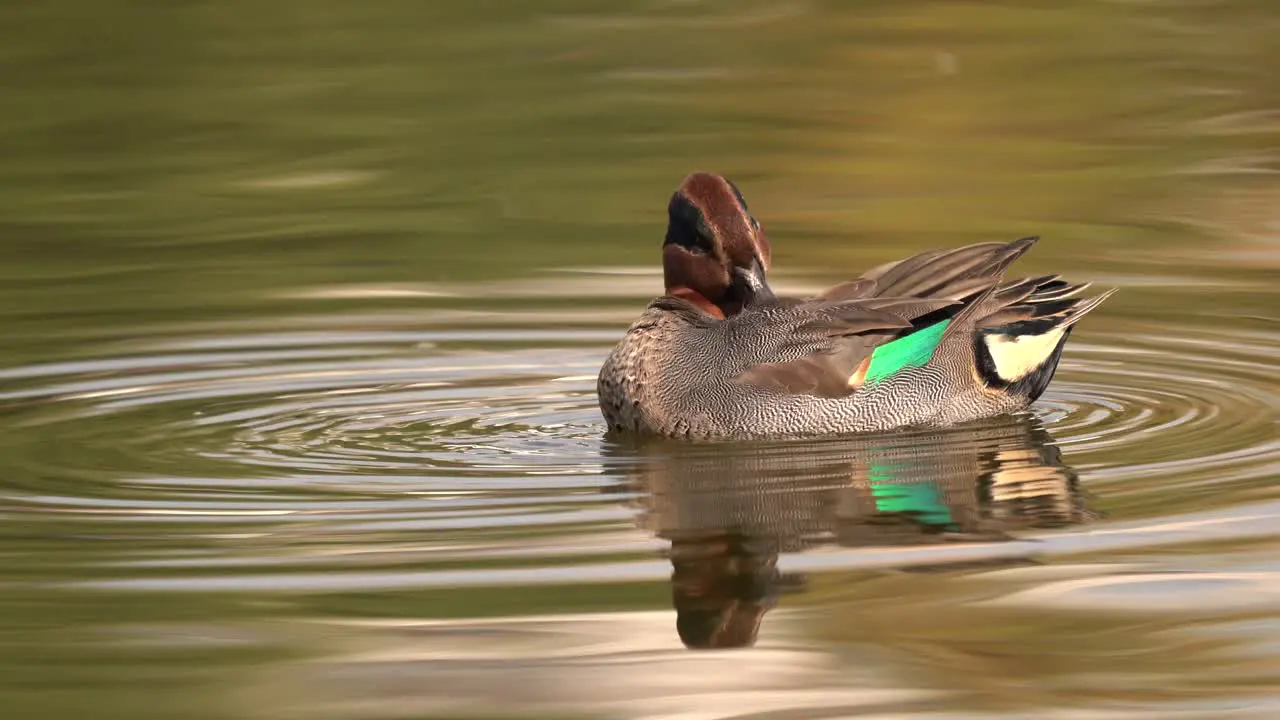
column 716, row 253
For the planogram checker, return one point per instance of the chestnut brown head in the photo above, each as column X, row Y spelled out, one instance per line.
column 716, row 254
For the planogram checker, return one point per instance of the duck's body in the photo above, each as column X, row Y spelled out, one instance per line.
column 936, row 339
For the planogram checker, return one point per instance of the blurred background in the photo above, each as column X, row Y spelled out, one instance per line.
column 302, row 305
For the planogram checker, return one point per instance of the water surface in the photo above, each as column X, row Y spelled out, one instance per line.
column 303, row 305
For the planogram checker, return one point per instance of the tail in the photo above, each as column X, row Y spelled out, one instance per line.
column 1019, row 341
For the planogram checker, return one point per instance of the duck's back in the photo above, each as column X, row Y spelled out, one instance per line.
column 673, row 373
column 677, row 375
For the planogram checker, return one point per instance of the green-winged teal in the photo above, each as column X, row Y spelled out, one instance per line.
column 938, row 338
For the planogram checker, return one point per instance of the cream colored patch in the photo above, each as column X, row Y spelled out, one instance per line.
column 859, row 375
column 1016, row 356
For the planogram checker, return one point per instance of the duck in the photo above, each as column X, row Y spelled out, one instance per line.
column 936, row 339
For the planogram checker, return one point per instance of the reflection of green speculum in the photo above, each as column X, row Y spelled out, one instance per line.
column 920, row 499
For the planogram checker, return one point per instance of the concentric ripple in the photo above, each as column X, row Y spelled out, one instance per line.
column 1197, row 407
column 441, row 434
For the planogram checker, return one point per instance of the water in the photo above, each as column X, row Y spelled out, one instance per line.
column 302, row 305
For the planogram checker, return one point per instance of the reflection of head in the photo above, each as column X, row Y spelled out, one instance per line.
column 721, row 588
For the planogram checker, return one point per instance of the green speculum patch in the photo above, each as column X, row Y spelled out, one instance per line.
column 914, row 350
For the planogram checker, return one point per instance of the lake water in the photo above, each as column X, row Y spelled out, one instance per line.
column 302, row 305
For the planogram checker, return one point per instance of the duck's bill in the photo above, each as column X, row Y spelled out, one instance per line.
column 750, row 286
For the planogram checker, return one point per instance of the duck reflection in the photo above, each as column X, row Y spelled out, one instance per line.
column 728, row 510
